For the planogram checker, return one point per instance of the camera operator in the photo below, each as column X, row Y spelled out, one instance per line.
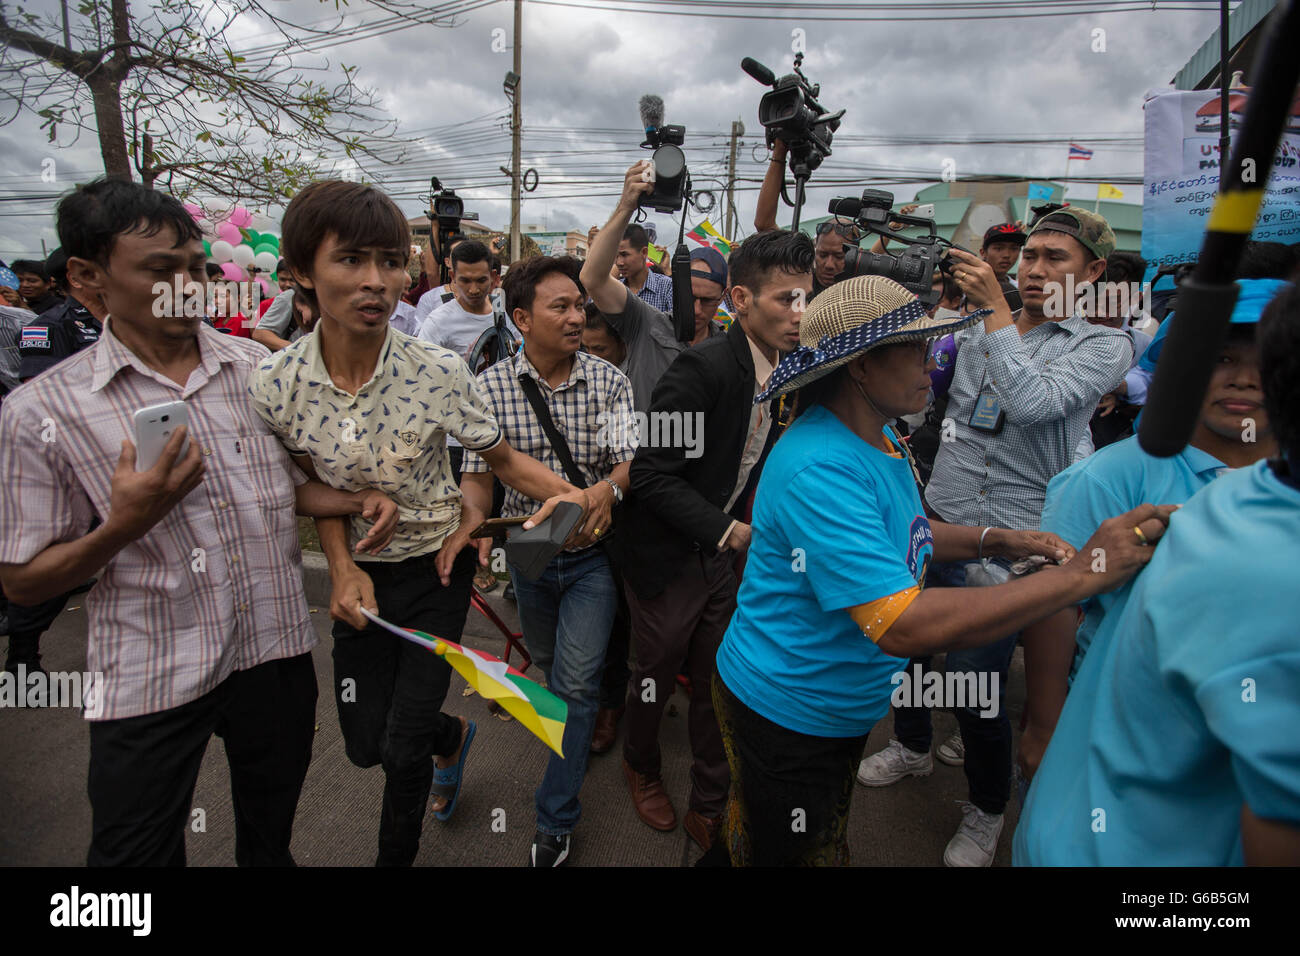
column 1023, row 389
column 647, row 332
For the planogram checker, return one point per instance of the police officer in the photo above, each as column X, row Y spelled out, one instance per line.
column 53, row 336
column 63, row 330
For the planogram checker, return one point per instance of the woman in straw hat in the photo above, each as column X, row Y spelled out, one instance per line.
column 831, row 606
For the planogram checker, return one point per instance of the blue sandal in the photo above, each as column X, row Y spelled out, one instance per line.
column 447, row 780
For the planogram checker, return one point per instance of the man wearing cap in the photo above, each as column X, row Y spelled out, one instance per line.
column 1000, row 250
column 1023, row 390
column 686, row 521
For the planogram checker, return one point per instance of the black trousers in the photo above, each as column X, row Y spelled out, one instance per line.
column 143, row 769
column 390, row 692
column 26, row 625
column 790, row 792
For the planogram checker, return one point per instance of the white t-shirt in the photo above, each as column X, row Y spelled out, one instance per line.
column 430, row 301
column 403, row 318
column 453, row 328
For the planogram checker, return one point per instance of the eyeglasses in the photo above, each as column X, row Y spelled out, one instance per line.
column 843, row 229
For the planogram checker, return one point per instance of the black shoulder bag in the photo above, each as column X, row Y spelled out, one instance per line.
column 561, row 447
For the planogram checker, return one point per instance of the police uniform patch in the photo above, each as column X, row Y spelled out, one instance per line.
column 35, row 337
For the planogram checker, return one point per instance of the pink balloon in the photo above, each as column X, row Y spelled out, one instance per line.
column 241, row 217
column 229, row 232
column 195, row 210
column 266, row 286
column 232, row 272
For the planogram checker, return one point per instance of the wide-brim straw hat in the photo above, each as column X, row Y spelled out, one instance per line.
column 853, row 317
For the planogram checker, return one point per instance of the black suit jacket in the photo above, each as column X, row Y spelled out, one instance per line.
column 677, row 503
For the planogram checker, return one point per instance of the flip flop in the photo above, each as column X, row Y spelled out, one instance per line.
column 447, row 780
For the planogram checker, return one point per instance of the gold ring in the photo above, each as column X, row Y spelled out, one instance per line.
column 1141, row 537
column 596, row 532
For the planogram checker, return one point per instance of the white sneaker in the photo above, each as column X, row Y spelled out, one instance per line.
column 952, row 751
column 893, row 764
column 976, row 839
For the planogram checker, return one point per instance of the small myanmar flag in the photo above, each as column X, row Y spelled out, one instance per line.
column 1107, row 191
column 527, row 701
column 706, row 235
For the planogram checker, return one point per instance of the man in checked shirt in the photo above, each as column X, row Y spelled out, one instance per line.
column 1024, row 386
column 198, row 623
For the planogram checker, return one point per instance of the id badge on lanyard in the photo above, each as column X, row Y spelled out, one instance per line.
column 988, row 415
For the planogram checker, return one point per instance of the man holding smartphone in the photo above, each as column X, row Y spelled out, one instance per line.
column 198, row 624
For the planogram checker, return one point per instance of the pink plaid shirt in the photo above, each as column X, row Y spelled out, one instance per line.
column 214, row 587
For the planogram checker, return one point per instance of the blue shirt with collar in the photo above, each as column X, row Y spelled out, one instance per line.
column 1186, row 706
column 1117, row 479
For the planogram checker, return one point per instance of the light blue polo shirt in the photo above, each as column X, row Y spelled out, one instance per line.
column 1117, row 479
column 1188, row 706
column 837, row 523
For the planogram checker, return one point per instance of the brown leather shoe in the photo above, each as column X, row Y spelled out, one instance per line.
column 602, row 739
column 703, row 830
column 650, row 799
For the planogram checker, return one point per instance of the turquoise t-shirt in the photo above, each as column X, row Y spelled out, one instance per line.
column 837, row 523
column 1117, row 479
column 1189, row 708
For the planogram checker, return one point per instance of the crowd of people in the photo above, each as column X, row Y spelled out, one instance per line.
column 875, row 482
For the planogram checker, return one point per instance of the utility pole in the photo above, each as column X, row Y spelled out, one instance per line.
column 516, row 123
column 737, row 131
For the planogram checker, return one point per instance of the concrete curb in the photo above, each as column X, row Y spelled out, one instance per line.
column 316, row 578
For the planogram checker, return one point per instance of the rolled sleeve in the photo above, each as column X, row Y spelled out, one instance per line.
column 469, row 417
column 1031, row 395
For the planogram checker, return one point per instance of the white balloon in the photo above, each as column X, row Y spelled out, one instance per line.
column 266, row 261
column 243, row 256
column 222, row 251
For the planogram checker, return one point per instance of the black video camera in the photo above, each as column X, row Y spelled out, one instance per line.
column 672, row 180
column 791, row 113
column 446, row 210
column 913, row 268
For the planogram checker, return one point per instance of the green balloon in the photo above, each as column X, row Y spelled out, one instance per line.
column 207, row 248
column 265, row 247
column 273, row 240
column 253, row 239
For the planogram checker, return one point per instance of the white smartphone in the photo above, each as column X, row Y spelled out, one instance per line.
column 153, row 429
column 925, row 210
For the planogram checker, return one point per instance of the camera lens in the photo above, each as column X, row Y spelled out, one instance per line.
column 165, row 417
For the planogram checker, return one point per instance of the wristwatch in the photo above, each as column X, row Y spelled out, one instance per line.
column 618, row 492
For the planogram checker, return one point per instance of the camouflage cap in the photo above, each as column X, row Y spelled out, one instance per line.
column 1089, row 228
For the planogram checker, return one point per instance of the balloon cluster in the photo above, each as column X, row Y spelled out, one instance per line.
column 237, row 247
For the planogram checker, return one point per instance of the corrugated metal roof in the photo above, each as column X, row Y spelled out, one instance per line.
column 1205, row 61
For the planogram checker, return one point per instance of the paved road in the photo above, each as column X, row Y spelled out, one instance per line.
column 44, row 755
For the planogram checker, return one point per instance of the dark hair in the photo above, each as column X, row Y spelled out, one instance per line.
column 281, row 266
column 91, row 217
column 1265, row 260
column 520, row 283
column 470, row 252
column 357, row 213
column 637, row 236
column 56, row 267
column 1124, row 267
column 596, row 320
column 1278, row 335
column 820, row 390
column 494, row 263
column 213, row 270
column 762, row 252
column 33, row 266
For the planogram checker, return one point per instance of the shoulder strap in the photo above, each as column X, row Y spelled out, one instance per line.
column 534, row 396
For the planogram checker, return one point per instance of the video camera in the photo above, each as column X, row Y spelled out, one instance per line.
column 914, row 267
column 446, row 210
column 672, row 180
column 791, row 113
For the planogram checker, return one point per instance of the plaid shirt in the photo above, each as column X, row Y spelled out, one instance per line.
column 587, row 409
column 1048, row 382
column 657, row 291
column 216, row 585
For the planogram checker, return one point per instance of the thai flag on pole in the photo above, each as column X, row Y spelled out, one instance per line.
column 1078, row 152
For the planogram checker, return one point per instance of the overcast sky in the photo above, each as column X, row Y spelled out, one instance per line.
column 584, row 70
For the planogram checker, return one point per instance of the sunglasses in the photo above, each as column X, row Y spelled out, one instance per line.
column 846, row 231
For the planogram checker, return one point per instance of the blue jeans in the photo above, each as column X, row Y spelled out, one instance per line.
column 987, row 739
column 566, row 616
